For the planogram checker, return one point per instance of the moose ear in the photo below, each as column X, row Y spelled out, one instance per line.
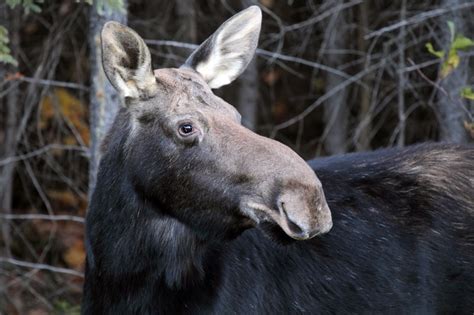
column 225, row 55
column 126, row 61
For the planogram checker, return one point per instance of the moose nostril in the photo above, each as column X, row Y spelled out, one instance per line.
column 291, row 225
column 282, row 207
column 294, row 227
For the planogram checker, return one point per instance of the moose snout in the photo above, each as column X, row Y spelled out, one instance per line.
column 285, row 189
column 303, row 216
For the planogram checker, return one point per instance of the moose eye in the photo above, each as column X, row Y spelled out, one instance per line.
column 186, row 129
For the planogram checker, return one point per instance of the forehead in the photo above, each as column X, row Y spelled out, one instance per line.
column 181, row 81
column 185, row 90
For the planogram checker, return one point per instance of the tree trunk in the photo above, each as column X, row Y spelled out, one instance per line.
column 10, row 132
column 335, row 109
column 362, row 138
column 247, row 101
column 401, row 79
column 248, row 89
column 104, row 99
column 451, row 107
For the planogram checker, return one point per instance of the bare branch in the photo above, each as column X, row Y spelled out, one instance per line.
column 441, row 89
column 323, row 15
column 171, row 43
column 33, row 216
column 69, row 85
column 419, row 18
column 323, row 98
column 26, row 264
column 44, row 149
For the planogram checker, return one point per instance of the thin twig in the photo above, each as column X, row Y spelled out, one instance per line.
column 44, row 197
column 26, row 264
column 441, row 89
column 322, row 16
column 420, row 65
column 323, row 98
column 69, row 85
column 33, row 216
column 171, row 43
column 49, row 147
column 418, row 19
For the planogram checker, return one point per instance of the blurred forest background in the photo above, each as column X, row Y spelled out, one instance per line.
column 329, row 77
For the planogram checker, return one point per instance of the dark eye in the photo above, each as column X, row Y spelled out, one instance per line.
column 186, row 129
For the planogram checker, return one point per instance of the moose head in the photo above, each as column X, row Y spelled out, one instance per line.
column 186, row 150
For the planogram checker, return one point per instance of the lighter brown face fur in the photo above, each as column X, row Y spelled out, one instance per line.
column 284, row 190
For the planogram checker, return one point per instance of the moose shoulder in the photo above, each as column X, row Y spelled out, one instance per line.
column 193, row 213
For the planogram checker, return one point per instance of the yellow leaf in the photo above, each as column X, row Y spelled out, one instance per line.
column 74, row 256
column 271, row 77
column 47, row 111
column 470, row 128
column 62, row 102
column 64, row 198
column 450, row 64
column 69, row 140
column 268, row 3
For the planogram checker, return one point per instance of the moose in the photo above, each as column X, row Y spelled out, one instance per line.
column 192, row 213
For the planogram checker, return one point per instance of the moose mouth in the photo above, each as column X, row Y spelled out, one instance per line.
column 276, row 221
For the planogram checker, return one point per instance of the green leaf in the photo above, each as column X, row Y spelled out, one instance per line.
column 28, row 5
column 4, row 49
column 8, row 59
column 13, row 3
column 462, row 42
column 35, row 8
column 5, row 55
column 3, row 33
column 437, row 53
column 103, row 6
column 468, row 92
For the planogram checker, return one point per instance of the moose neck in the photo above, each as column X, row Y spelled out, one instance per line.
column 157, row 244
column 181, row 254
column 175, row 253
